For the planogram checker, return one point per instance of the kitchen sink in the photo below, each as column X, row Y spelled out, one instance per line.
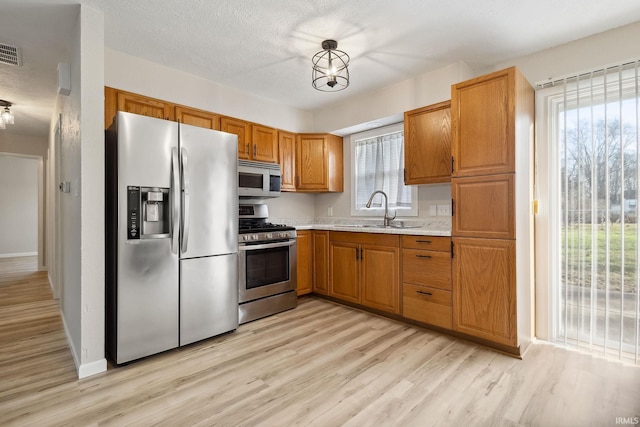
column 404, row 226
column 396, row 225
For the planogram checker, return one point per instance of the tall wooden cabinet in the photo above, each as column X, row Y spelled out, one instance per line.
column 492, row 123
column 427, row 144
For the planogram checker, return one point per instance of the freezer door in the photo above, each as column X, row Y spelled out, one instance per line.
column 147, row 270
column 210, row 192
column 208, row 297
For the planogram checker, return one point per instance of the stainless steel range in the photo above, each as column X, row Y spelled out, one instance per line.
column 267, row 264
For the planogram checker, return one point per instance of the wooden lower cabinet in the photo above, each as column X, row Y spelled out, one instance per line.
column 304, row 252
column 344, row 267
column 427, row 305
column 484, row 292
column 426, row 280
column 321, row 262
column 427, row 268
column 365, row 269
column 380, row 277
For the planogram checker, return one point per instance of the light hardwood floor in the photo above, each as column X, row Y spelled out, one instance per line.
column 321, row 364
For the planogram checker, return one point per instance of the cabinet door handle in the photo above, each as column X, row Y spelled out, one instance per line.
column 247, row 148
column 255, row 149
column 423, row 256
column 429, row 294
column 424, row 241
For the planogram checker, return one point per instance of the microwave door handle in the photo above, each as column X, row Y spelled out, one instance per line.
column 175, row 204
column 185, row 200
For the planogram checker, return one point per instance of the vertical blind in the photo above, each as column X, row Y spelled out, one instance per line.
column 380, row 166
column 596, row 129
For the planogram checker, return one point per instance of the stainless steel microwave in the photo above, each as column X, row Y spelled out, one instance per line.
column 258, row 180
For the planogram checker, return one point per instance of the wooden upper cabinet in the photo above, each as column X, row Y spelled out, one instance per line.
column 484, row 206
column 243, row 130
column 427, row 144
column 264, row 142
column 287, row 160
column 486, row 117
column 132, row 103
column 319, row 163
column 110, row 105
column 195, row 117
column 484, row 295
column 118, row 100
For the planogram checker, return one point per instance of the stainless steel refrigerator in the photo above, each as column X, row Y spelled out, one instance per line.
column 171, row 235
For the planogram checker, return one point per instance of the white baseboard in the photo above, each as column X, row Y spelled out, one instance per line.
column 86, row 369
column 18, row 254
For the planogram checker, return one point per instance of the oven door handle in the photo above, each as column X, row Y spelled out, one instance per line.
column 251, row 247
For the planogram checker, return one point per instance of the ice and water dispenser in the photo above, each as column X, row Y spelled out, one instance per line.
column 148, row 213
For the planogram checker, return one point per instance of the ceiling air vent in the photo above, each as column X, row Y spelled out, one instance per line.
column 10, row 55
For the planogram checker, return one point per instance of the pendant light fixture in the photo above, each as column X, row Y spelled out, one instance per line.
column 6, row 115
column 330, row 68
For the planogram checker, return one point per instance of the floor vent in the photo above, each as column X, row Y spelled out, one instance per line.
column 10, row 55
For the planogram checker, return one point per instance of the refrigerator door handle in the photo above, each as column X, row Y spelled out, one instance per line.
column 175, row 205
column 185, row 200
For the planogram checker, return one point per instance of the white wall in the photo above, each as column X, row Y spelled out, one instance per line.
column 391, row 101
column 35, row 148
column 384, row 105
column 137, row 75
column 19, row 199
column 597, row 51
column 82, row 209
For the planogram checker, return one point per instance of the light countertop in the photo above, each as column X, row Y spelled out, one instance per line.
column 436, row 227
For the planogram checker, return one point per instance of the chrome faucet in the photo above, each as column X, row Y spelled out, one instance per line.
column 387, row 218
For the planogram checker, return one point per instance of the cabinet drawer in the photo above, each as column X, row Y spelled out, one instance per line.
column 426, row 268
column 427, row 242
column 428, row 305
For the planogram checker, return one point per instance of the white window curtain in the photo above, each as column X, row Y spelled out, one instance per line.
column 592, row 161
column 379, row 163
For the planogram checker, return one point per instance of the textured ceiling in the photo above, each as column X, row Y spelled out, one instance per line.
column 264, row 47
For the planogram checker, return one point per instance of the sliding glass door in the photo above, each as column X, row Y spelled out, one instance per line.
column 587, row 238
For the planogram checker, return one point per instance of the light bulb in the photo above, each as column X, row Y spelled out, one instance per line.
column 7, row 116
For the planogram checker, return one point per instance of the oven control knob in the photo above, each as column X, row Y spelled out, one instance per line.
column 268, row 236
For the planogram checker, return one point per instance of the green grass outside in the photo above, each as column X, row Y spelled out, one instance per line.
column 581, row 255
